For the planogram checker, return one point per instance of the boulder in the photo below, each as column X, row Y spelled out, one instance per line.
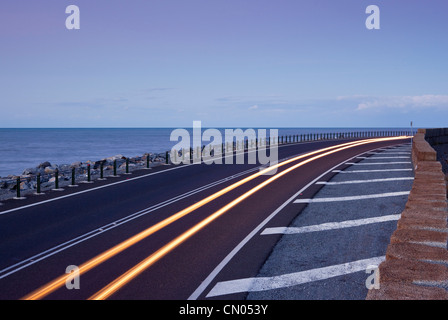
column 48, row 170
column 43, row 165
column 29, row 171
column 76, row 164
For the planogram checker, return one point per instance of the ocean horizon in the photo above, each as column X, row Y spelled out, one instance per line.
column 22, row 148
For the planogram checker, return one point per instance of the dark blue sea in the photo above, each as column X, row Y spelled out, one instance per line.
column 26, row 148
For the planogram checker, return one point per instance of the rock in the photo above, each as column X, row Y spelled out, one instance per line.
column 24, row 186
column 48, row 170
column 97, row 164
column 43, row 165
column 116, row 157
column 29, row 171
column 76, row 164
column 65, row 168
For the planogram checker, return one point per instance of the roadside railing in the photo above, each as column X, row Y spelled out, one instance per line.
column 55, row 177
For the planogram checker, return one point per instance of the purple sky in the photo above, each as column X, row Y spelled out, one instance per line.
column 225, row 62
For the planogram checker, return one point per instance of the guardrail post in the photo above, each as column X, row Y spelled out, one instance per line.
column 18, row 188
column 88, row 172
column 115, row 168
column 101, row 171
column 38, row 183
column 56, row 178
column 73, row 184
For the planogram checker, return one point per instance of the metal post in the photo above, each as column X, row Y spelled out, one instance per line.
column 38, row 183
column 88, row 172
column 56, row 178
column 73, row 184
column 18, row 187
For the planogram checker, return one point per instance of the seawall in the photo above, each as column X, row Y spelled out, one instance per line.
column 416, row 261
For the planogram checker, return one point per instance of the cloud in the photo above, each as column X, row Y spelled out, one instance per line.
column 421, row 102
column 254, row 107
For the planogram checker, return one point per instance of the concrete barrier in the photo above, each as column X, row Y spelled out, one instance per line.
column 416, row 258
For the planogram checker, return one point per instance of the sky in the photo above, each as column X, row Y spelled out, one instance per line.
column 226, row 63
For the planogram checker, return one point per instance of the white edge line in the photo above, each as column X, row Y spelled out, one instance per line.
column 109, row 226
column 226, row 260
column 92, row 189
column 135, row 178
column 112, row 225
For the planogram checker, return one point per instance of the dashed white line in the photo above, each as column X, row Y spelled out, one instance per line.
column 349, row 198
column 292, row 279
column 330, row 225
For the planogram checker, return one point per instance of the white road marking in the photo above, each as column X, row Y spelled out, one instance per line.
column 374, row 158
column 93, row 233
column 292, row 279
column 376, row 163
column 384, row 153
column 330, row 225
column 365, row 181
column 349, row 198
column 367, row 171
column 124, row 181
column 199, row 290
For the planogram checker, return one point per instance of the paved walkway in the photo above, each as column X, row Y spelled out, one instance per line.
column 331, row 249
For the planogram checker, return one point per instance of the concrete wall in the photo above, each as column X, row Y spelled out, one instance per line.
column 414, row 267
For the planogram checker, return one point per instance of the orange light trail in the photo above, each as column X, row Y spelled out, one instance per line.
column 121, row 281
column 97, row 260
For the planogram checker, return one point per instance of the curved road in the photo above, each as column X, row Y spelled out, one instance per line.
column 163, row 234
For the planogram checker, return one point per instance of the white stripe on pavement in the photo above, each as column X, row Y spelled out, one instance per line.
column 383, row 153
column 376, row 163
column 292, row 279
column 367, row 171
column 368, row 196
column 374, row 158
column 365, row 181
column 330, row 225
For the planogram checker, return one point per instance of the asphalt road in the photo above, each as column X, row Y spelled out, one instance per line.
column 43, row 235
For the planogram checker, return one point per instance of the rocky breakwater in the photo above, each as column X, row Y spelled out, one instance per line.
column 416, row 261
column 79, row 171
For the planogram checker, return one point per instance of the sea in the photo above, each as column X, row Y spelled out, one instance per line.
column 22, row 148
